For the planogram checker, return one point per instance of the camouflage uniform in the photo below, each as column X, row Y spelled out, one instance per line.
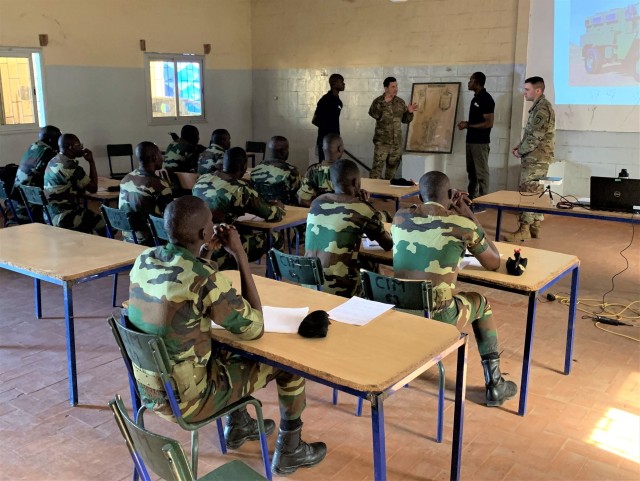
column 234, row 198
column 335, row 226
column 180, row 157
column 536, row 150
column 278, row 173
column 64, row 180
column 31, row 172
column 176, row 296
column 429, row 243
column 316, row 181
column 387, row 139
column 146, row 193
column 211, row 159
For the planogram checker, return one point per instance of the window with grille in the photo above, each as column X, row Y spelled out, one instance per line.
column 21, row 91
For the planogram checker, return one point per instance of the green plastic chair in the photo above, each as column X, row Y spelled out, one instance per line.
column 148, row 352
column 405, row 296
column 156, row 226
column 33, row 195
column 165, row 457
column 8, row 204
column 117, row 219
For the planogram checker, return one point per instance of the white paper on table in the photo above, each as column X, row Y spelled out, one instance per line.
column 370, row 244
column 280, row 319
column 249, row 218
column 470, row 261
column 358, row 311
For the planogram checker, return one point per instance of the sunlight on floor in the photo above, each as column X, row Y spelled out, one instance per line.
column 619, row 433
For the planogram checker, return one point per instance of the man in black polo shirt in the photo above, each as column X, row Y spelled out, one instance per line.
column 478, row 129
column 327, row 114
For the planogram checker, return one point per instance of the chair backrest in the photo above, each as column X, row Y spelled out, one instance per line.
column 117, row 219
column 298, row 269
column 164, row 174
column 187, row 179
column 119, row 150
column 256, row 147
column 271, row 192
column 156, row 226
column 403, row 294
column 33, row 195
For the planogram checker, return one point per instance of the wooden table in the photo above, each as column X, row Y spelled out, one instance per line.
column 103, row 195
column 512, row 200
column 65, row 258
column 544, row 269
column 371, row 362
column 382, row 189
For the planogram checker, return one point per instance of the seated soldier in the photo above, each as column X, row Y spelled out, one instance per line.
column 31, row 170
column 180, row 307
column 229, row 197
column 430, row 240
column 65, row 180
column 276, row 172
column 335, row 226
column 144, row 192
column 211, row 159
column 317, row 180
column 182, row 156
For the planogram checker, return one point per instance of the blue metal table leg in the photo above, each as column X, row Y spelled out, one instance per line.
column 526, row 358
column 458, row 416
column 71, row 344
column 498, row 223
column 269, row 272
column 297, row 240
column 379, row 454
column 114, row 292
column 441, row 382
column 568, row 357
column 37, row 296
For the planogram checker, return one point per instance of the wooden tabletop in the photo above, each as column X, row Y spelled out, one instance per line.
column 382, row 188
column 293, row 216
column 368, row 358
column 61, row 253
column 514, row 199
column 543, row 266
column 102, row 193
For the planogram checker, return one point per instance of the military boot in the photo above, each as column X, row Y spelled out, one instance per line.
column 536, row 229
column 241, row 427
column 498, row 389
column 292, row 452
column 522, row 234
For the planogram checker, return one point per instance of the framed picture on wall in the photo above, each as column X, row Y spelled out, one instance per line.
column 433, row 124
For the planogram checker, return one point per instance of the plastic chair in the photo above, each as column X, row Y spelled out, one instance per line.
column 8, row 204
column 406, row 296
column 254, row 148
column 117, row 219
column 148, row 352
column 156, row 226
column 164, row 175
column 271, row 192
column 32, row 195
column 119, row 150
column 165, row 457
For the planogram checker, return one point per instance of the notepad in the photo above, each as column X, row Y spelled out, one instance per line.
column 279, row 319
column 249, row 218
column 358, row 311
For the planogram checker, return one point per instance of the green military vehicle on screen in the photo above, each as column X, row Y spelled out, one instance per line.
column 612, row 38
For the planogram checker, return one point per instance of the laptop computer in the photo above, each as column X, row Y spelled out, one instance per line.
column 615, row 194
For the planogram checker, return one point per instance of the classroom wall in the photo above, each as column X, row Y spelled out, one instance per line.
column 94, row 70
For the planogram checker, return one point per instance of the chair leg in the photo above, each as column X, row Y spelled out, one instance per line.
column 359, row 407
column 440, row 427
column 335, row 396
column 194, row 453
column 223, row 443
column 115, row 289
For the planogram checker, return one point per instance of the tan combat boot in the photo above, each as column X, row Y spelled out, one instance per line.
column 522, row 234
column 536, row 229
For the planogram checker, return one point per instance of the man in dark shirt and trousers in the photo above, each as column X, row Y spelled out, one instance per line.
column 327, row 114
column 478, row 131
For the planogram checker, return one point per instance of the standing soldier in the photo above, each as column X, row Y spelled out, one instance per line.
column 390, row 113
column 275, row 174
column 327, row 114
column 211, row 159
column 535, row 151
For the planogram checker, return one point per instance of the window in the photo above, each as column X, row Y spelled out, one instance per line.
column 175, row 87
column 21, row 92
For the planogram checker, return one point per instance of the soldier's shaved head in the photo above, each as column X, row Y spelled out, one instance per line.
column 278, row 148
column 66, row 141
column 185, row 218
column 222, row 138
column 434, row 186
column 190, row 133
column 234, row 161
column 50, row 135
column 147, row 153
column 537, row 82
column 332, row 146
column 344, row 175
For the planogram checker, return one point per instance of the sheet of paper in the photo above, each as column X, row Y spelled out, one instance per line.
column 249, row 217
column 370, row 244
column 470, row 261
column 280, row 319
column 358, row 311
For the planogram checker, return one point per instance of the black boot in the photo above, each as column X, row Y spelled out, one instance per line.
column 292, row 452
column 241, row 427
column 498, row 389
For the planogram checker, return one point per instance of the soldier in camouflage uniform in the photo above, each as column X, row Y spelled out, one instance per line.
column 390, row 112
column 65, row 180
column 211, row 159
column 535, row 151
column 275, row 175
column 31, row 170
column 229, row 197
column 317, row 178
column 176, row 292
column 429, row 242
column 182, row 155
column 143, row 192
column 335, row 226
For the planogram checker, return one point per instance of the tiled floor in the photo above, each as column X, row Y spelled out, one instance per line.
column 585, row 426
